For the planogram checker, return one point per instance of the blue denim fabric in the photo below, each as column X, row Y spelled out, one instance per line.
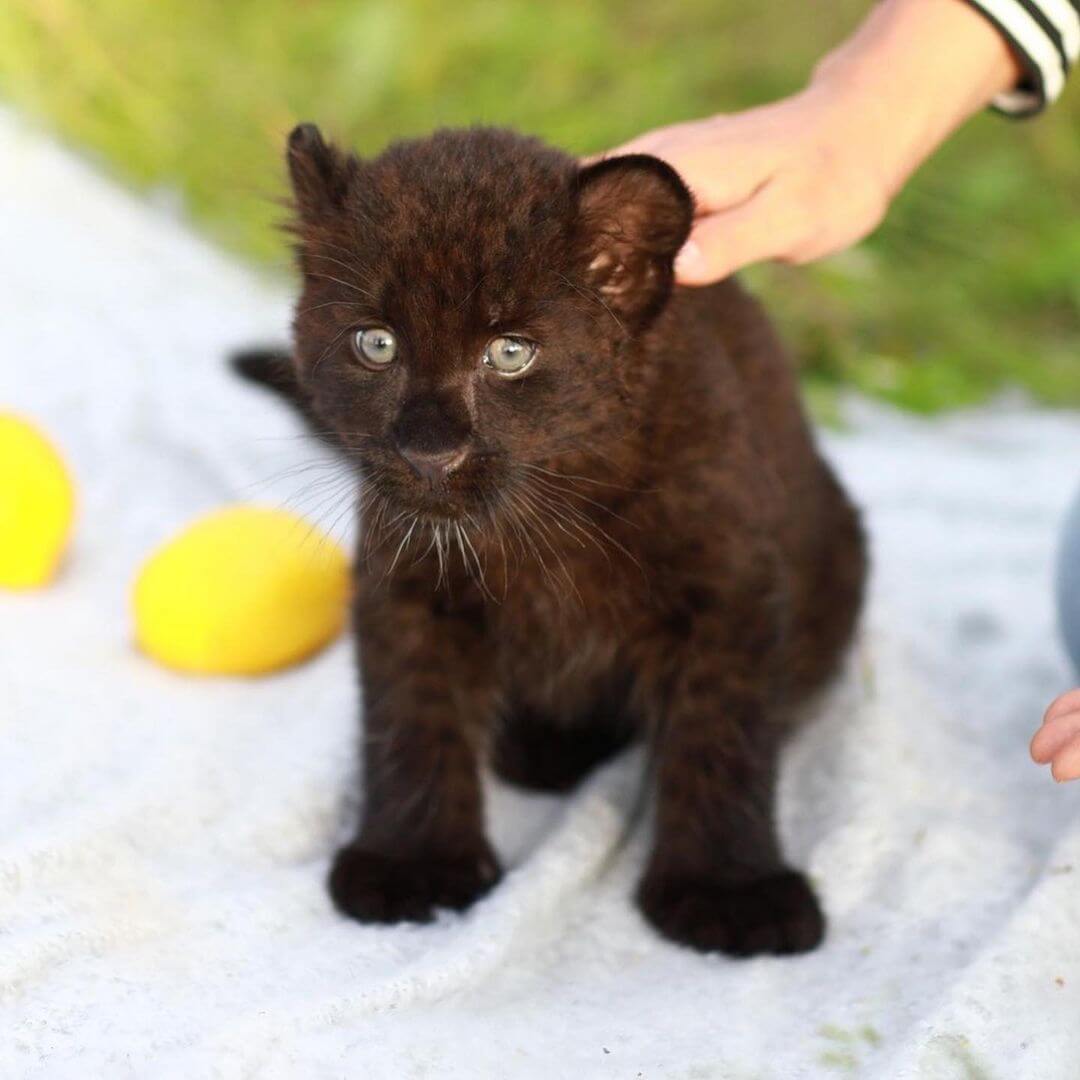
column 1068, row 583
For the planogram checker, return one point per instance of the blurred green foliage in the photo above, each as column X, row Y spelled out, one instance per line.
column 972, row 284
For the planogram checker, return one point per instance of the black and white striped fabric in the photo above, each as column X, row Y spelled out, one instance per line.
column 1046, row 37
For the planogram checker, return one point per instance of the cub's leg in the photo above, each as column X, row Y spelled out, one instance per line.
column 716, row 879
column 828, row 603
column 421, row 842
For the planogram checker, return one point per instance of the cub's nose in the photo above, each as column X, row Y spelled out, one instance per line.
column 432, row 433
column 433, row 466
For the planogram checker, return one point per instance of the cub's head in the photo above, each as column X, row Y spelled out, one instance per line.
column 468, row 303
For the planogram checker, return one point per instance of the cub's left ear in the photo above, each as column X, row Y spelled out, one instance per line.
column 634, row 213
column 319, row 171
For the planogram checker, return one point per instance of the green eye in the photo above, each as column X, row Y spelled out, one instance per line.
column 375, row 347
column 509, row 356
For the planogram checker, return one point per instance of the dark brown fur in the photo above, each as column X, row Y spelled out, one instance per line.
column 652, row 545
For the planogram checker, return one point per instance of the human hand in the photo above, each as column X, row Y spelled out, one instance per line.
column 814, row 173
column 792, row 181
column 1057, row 742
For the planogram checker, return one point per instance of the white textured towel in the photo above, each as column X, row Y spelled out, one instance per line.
column 163, row 840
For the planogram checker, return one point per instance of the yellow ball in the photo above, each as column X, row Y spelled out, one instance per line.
column 37, row 505
column 242, row 591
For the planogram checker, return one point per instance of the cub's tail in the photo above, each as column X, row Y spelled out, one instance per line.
column 272, row 368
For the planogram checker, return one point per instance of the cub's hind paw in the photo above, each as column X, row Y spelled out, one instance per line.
column 777, row 914
column 549, row 757
column 375, row 887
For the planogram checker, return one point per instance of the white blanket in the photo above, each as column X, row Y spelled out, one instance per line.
column 163, row 840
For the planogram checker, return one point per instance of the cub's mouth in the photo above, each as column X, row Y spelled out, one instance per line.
column 442, row 488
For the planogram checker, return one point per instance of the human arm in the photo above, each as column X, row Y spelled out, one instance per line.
column 811, row 174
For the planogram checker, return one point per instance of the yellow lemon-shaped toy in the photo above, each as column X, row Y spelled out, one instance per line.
column 242, row 591
column 37, row 505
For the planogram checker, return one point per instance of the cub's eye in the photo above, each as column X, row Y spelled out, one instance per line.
column 375, row 347
column 509, row 356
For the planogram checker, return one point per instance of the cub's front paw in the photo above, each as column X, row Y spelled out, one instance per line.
column 774, row 914
column 375, row 887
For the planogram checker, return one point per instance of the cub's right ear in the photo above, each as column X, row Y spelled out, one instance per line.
column 320, row 173
column 634, row 213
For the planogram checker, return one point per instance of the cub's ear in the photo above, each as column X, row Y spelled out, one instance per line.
column 320, row 173
column 634, row 213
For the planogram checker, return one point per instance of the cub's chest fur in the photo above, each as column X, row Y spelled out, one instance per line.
column 557, row 639
column 559, row 657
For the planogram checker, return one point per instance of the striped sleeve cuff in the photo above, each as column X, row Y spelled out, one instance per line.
column 1045, row 35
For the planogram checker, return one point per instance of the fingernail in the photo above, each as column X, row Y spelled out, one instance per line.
column 688, row 263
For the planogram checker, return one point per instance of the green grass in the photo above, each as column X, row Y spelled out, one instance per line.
column 972, row 284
